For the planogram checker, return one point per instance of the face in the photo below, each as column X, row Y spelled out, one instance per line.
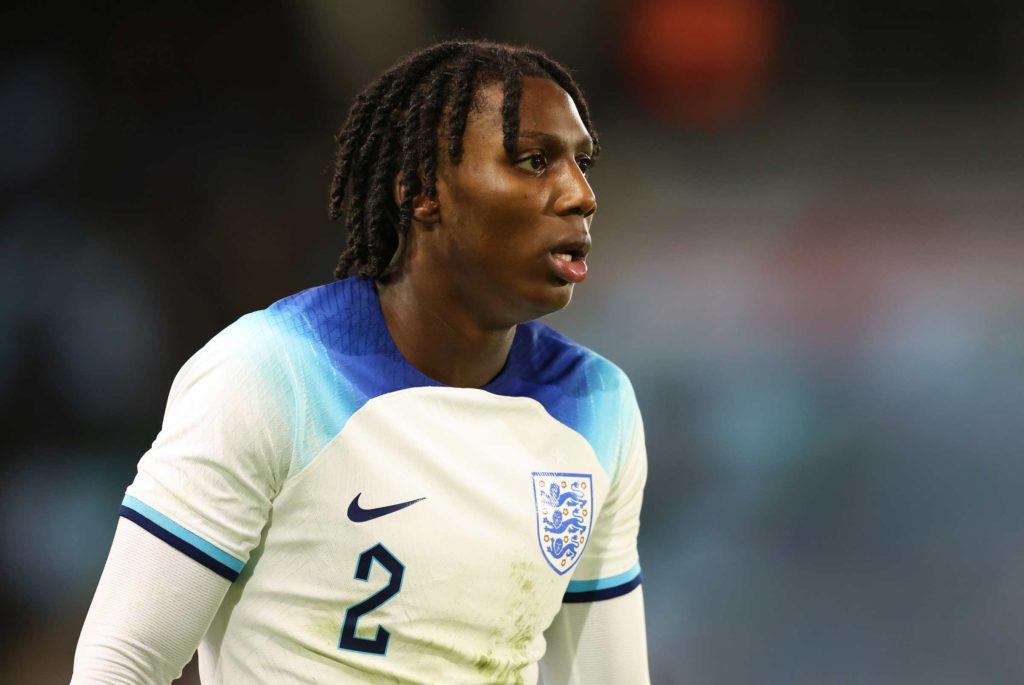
column 511, row 235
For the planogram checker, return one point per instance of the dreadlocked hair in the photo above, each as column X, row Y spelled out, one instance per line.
column 395, row 125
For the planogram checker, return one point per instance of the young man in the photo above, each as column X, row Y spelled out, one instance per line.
column 401, row 477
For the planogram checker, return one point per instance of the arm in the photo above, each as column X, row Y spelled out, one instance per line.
column 598, row 643
column 194, row 512
column 598, row 636
column 150, row 611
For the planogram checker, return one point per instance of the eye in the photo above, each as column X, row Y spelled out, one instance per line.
column 535, row 162
column 585, row 162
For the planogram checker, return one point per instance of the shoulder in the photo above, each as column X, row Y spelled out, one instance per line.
column 291, row 365
column 281, row 355
column 581, row 388
column 326, row 316
column 575, row 368
column 335, row 314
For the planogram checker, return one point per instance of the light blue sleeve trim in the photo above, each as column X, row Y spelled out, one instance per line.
column 183, row 533
column 602, row 583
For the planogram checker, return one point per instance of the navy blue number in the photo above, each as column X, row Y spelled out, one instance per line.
column 379, row 644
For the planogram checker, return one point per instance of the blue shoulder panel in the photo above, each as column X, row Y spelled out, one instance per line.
column 578, row 387
column 340, row 350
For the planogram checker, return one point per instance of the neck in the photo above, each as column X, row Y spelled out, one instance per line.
column 439, row 335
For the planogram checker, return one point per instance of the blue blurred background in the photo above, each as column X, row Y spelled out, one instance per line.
column 809, row 256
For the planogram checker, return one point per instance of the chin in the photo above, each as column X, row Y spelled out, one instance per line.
column 553, row 298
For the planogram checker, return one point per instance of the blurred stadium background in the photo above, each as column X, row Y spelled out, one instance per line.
column 809, row 256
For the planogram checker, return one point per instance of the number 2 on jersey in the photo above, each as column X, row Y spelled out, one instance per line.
column 379, row 644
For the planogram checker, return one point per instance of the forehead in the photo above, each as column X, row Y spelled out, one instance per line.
column 544, row 107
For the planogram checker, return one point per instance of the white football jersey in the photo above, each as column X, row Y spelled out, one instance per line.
column 377, row 525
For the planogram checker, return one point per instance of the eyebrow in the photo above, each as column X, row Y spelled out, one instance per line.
column 552, row 140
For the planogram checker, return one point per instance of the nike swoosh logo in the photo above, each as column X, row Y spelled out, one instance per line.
column 359, row 515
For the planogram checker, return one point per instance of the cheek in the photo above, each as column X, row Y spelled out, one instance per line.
column 492, row 211
column 499, row 210
column 511, row 223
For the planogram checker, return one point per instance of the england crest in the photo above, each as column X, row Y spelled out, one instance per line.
column 564, row 505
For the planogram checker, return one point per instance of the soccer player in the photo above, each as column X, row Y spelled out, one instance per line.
column 402, row 477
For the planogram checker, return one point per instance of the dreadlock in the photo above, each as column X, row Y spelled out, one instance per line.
column 394, row 127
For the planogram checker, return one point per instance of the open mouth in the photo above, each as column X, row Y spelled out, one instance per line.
column 570, row 256
column 569, row 265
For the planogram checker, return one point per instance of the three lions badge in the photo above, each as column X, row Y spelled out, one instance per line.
column 564, row 508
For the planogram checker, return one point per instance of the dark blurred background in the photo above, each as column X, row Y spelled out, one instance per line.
column 809, row 256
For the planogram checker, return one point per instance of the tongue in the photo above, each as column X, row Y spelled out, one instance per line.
column 574, row 271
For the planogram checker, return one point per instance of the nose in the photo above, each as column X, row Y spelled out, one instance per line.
column 577, row 196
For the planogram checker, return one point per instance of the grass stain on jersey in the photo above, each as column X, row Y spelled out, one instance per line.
column 524, row 610
column 499, row 671
column 522, row 621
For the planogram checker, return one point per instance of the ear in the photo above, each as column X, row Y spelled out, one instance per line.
column 424, row 209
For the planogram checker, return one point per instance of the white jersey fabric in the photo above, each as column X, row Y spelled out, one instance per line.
column 378, row 526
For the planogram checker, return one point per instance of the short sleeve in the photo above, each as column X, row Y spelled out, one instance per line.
column 610, row 565
column 223, row 452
